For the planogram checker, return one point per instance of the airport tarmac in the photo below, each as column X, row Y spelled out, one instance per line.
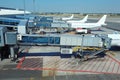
column 52, row 68
column 56, row 66
column 112, row 23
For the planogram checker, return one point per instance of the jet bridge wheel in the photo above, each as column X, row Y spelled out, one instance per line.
column 79, row 54
column 82, row 57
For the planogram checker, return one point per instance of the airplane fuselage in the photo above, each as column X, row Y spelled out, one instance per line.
column 84, row 25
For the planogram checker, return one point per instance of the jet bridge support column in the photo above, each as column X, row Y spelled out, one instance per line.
column 80, row 53
column 13, row 54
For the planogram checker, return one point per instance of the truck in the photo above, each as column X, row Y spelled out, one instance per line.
column 82, row 30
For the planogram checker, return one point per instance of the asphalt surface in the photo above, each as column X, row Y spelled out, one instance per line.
column 20, row 75
column 113, row 24
column 36, row 75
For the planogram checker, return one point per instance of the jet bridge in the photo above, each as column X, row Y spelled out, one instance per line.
column 65, row 42
column 19, row 24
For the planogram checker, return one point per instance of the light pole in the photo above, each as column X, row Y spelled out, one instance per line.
column 34, row 6
column 24, row 7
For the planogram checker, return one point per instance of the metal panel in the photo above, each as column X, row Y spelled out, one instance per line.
column 46, row 19
column 70, row 40
column 10, row 38
column 22, row 27
column 91, row 41
column 1, row 37
column 66, row 51
column 59, row 25
column 81, row 41
column 55, row 25
column 43, row 24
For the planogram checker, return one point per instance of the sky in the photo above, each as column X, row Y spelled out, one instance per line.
column 72, row 6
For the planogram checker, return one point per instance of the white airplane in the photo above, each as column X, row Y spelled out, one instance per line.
column 100, row 23
column 68, row 18
column 12, row 12
column 115, row 39
column 78, row 21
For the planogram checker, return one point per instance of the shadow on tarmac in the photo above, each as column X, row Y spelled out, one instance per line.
column 115, row 48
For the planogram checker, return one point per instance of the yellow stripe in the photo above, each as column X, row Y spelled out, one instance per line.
column 84, row 48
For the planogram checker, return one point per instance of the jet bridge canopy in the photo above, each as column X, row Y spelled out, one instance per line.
column 9, row 21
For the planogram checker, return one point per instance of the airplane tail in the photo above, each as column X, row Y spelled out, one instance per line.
column 102, row 20
column 85, row 18
column 68, row 18
column 72, row 16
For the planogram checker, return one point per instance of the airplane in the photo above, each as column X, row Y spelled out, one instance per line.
column 78, row 21
column 85, row 27
column 100, row 23
column 115, row 39
column 67, row 18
